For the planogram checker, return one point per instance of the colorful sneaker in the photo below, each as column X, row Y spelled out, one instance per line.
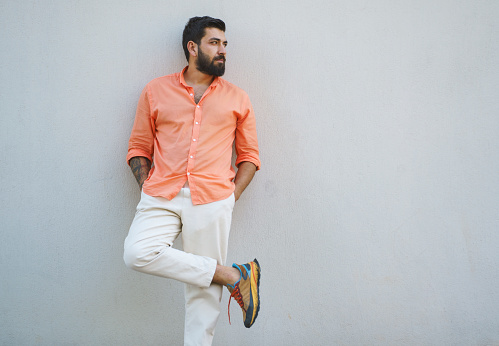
column 246, row 291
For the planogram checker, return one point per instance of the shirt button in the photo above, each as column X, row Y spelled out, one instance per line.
column 192, row 156
column 191, row 94
column 194, row 140
column 188, row 173
column 197, row 106
column 197, row 122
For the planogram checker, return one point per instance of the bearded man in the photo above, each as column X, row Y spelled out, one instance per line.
column 180, row 152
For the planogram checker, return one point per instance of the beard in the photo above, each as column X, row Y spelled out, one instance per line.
column 203, row 64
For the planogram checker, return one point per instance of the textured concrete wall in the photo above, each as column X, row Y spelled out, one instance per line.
column 375, row 216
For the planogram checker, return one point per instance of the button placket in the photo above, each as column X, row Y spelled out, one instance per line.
column 194, row 140
column 196, row 128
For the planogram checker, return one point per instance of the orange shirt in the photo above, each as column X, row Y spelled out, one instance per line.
column 193, row 142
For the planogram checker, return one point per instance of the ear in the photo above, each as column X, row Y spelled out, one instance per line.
column 192, row 47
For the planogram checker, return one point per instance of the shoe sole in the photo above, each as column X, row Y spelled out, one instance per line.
column 258, row 273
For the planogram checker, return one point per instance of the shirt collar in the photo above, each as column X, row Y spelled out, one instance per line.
column 213, row 84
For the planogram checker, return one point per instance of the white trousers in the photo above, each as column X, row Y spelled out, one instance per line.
column 205, row 235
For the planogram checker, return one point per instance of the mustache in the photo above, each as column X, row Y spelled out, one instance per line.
column 219, row 57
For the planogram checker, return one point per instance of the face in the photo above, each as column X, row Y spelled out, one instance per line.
column 211, row 52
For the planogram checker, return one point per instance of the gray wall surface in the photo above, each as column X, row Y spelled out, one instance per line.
column 375, row 215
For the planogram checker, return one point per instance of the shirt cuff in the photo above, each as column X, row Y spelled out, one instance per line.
column 253, row 160
column 137, row 152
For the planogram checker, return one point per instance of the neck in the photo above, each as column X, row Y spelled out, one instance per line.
column 193, row 76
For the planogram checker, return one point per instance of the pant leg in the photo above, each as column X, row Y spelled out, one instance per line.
column 156, row 225
column 205, row 232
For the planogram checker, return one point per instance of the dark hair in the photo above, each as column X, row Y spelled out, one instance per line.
column 194, row 30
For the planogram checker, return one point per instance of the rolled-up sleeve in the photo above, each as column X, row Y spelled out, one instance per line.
column 246, row 139
column 141, row 141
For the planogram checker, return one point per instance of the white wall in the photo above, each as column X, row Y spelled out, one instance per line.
column 375, row 214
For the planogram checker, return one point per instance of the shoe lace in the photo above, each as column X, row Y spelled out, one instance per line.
column 236, row 294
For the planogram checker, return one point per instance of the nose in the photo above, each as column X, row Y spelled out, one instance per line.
column 222, row 50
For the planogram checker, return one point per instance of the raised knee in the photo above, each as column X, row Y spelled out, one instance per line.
column 134, row 256
column 137, row 257
column 130, row 256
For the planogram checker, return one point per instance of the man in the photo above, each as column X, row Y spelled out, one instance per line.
column 180, row 152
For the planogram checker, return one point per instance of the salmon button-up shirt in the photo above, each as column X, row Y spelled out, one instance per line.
column 193, row 142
